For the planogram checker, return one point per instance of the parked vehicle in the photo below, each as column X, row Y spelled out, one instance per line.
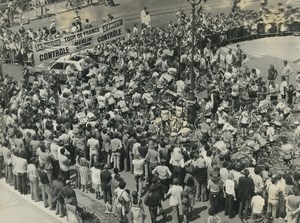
column 81, row 65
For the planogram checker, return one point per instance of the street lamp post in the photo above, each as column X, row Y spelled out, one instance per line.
column 193, row 3
column 179, row 34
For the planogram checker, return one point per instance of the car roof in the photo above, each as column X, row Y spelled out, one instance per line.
column 71, row 58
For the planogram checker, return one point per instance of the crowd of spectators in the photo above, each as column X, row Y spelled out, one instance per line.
column 140, row 114
column 16, row 47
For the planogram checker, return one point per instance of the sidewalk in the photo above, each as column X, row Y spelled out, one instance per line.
column 84, row 200
column 38, row 205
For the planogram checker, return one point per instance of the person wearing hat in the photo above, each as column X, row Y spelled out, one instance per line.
column 214, row 185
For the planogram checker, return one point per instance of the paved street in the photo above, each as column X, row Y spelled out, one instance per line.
column 161, row 11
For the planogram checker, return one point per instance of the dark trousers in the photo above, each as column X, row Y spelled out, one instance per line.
column 229, row 205
column 214, row 200
column 1, row 166
column 244, row 208
column 55, row 165
column 15, row 181
column 106, row 194
column 166, row 183
column 153, row 214
column 9, row 175
column 178, row 172
column 65, row 174
column 22, row 183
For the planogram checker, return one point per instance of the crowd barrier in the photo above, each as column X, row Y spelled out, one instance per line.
column 242, row 33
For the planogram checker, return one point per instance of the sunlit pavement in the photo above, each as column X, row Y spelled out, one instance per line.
column 16, row 208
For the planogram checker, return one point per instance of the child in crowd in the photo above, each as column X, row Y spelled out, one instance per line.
column 185, row 204
column 191, row 190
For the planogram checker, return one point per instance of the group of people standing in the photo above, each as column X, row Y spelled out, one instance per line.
column 140, row 114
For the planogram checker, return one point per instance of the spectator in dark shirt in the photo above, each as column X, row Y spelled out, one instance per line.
column 67, row 194
column 246, row 191
column 105, row 176
column 56, row 188
column 152, row 200
column 45, row 185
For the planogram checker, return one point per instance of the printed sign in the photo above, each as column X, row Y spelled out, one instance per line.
column 72, row 43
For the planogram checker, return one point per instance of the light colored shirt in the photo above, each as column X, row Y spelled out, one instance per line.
column 20, row 164
column 93, row 144
column 64, row 162
column 274, row 192
column 258, row 183
column 229, row 187
column 176, row 193
column 95, row 175
column 257, row 204
column 120, row 192
column 138, row 166
column 163, row 172
column 224, row 174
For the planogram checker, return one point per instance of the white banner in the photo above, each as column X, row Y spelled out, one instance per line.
column 90, row 38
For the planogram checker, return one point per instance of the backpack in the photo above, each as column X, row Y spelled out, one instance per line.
column 121, row 199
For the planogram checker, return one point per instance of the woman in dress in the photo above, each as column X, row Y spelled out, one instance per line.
column 85, row 175
column 137, row 209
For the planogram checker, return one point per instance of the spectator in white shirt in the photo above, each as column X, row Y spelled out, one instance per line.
column 258, row 181
column 163, row 173
column 94, row 146
column 121, row 207
column 142, row 16
column 175, row 195
column 147, row 19
column 177, row 162
column 286, row 71
column 274, row 194
column 64, row 163
column 229, row 189
column 138, row 170
column 257, row 205
column 96, row 179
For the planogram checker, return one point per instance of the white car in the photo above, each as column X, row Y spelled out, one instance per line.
column 81, row 65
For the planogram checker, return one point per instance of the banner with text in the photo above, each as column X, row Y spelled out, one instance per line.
column 72, row 43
